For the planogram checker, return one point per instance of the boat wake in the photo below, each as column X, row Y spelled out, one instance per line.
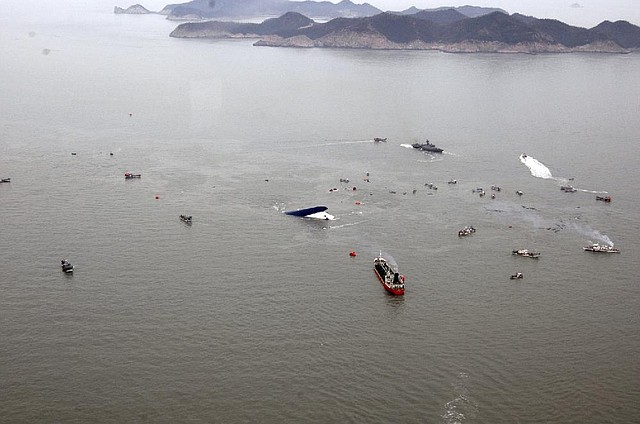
column 592, row 191
column 462, row 408
column 537, row 169
column 407, row 146
column 432, row 158
column 334, row 227
column 339, row 142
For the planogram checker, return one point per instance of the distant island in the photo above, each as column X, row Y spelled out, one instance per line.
column 465, row 29
column 246, row 9
column 136, row 9
column 447, row 30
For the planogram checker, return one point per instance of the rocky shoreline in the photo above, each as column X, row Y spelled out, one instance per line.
column 360, row 41
column 368, row 42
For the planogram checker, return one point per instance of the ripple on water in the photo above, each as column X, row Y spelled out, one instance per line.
column 462, row 407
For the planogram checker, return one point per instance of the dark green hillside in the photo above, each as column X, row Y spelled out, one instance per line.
column 622, row 32
column 554, row 30
column 495, row 26
column 441, row 17
column 390, row 30
column 403, row 28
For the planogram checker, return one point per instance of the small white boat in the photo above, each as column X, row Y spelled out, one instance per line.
column 66, row 266
column 526, row 253
column 468, row 230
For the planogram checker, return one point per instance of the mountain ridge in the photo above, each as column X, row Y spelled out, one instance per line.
column 197, row 10
column 445, row 30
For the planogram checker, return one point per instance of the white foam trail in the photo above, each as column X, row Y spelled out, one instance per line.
column 407, row 146
column 539, row 170
column 592, row 191
column 462, row 407
column 591, row 233
column 536, row 168
column 335, row 143
column 347, row 225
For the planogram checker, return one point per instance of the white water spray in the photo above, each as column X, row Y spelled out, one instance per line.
column 537, row 169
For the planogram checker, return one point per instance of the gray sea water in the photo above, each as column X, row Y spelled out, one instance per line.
column 250, row 315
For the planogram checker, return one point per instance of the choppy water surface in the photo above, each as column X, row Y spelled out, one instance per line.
column 249, row 315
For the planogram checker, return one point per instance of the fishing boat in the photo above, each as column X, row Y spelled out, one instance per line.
column 379, row 139
column 516, row 275
column 606, row 199
column 526, row 253
column 468, row 230
column 568, row 189
column 431, row 186
column 5, row 180
column 389, row 277
column 66, row 266
column 187, row 219
column 600, row 248
column 129, row 176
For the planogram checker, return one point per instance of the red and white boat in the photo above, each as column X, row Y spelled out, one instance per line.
column 391, row 280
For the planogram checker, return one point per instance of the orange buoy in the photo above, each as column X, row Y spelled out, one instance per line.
column 357, row 202
column 352, row 254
